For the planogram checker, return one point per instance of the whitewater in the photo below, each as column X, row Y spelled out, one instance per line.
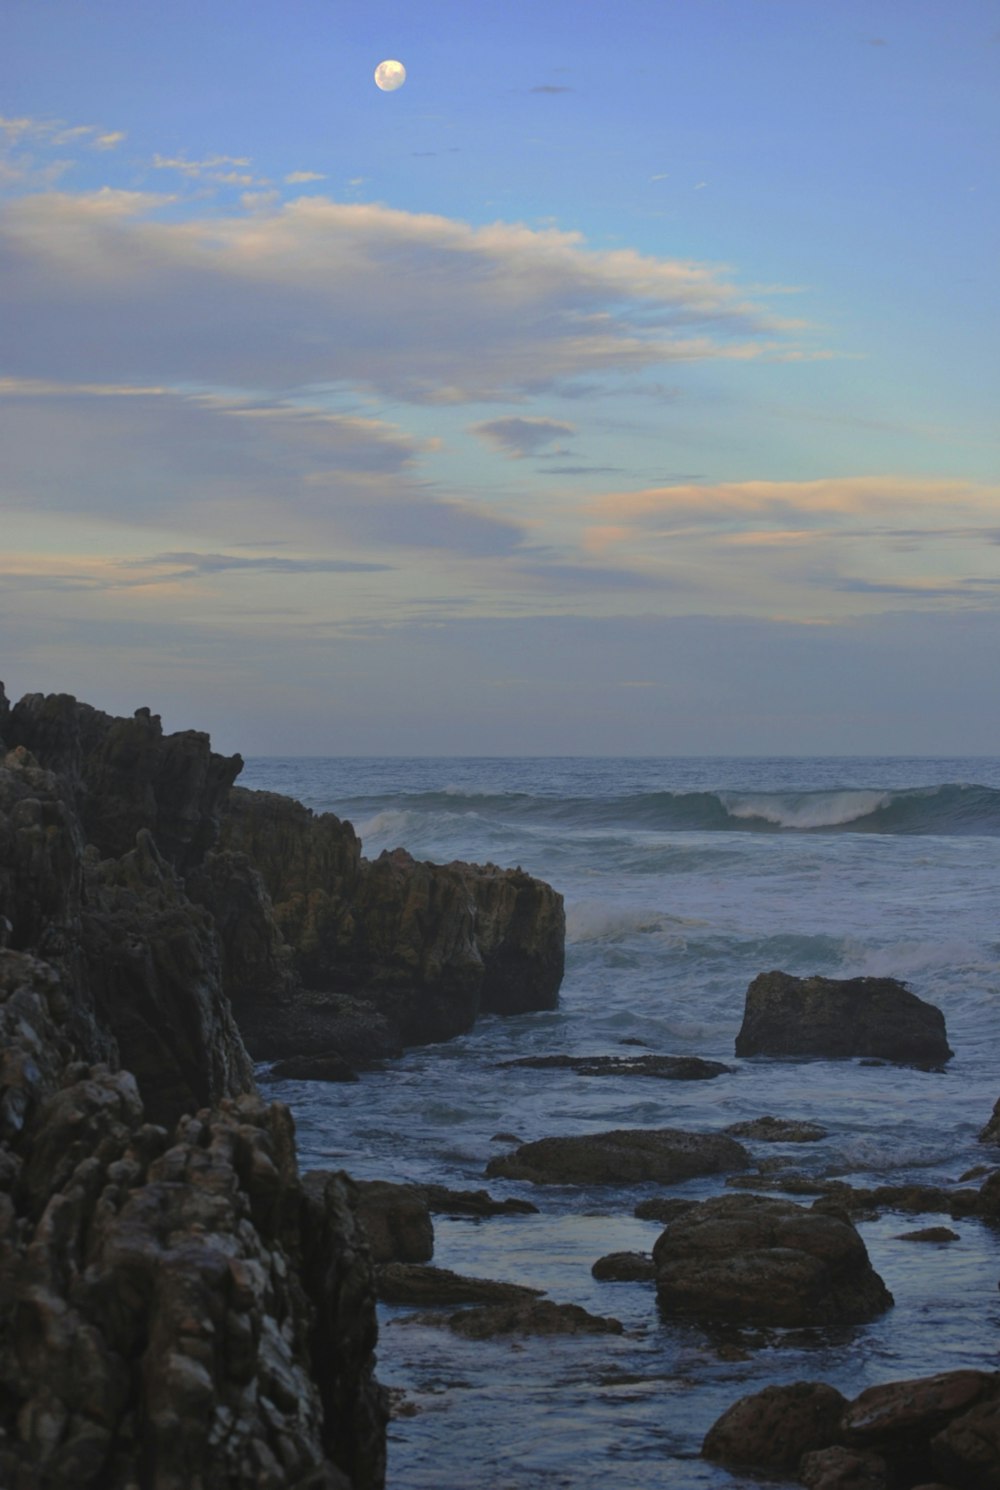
column 683, row 879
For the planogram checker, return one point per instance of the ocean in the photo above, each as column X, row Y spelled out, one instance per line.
column 683, row 879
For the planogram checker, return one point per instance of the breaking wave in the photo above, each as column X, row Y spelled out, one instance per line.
column 948, row 810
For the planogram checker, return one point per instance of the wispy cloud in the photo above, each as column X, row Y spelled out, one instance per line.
column 299, row 178
column 325, row 291
column 522, row 435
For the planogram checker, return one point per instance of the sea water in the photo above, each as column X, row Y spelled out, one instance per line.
column 683, row 879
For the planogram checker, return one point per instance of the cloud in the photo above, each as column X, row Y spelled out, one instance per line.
column 96, row 287
column 520, row 436
column 191, row 566
column 749, row 502
column 56, row 133
column 299, row 178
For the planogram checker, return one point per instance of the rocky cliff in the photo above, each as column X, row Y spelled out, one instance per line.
column 178, row 1306
column 368, row 956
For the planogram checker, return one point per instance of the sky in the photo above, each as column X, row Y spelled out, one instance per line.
column 626, row 382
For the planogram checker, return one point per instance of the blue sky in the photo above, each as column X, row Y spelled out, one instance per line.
column 625, row 382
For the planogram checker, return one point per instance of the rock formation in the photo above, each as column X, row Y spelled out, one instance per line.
column 747, row 1259
column 176, row 1307
column 622, row 1157
column 423, row 949
column 942, row 1429
column 831, row 1017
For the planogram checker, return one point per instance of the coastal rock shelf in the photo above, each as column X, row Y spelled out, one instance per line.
column 179, row 1305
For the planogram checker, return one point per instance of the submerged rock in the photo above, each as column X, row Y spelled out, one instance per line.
column 624, row 1267
column 777, row 1130
column 666, row 1067
column 534, row 1317
column 478, row 1203
column 414, row 1283
column 621, row 1157
column 747, row 1259
column 834, row 1018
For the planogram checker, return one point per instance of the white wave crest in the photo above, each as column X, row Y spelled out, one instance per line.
column 597, row 921
column 805, row 810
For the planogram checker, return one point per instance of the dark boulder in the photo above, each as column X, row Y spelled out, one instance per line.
column 622, row 1157
column 747, row 1259
column 624, row 1267
column 771, row 1430
column 834, row 1018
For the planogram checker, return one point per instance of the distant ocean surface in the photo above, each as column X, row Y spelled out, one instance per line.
column 683, row 879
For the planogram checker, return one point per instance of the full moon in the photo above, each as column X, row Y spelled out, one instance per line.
column 390, row 75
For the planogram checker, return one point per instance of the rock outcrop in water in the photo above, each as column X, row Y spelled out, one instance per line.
column 942, row 1430
column 836, row 1018
column 371, row 955
column 747, row 1259
column 624, row 1156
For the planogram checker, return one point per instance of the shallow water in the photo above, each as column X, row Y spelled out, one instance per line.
column 683, row 880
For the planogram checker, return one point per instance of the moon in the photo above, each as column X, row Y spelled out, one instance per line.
column 390, row 75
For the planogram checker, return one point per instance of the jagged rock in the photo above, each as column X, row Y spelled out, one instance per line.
column 396, row 1221
column 127, row 775
column 176, row 1306
column 621, row 1157
column 830, row 1017
column 479, row 1203
column 430, row 946
column 624, row 1267
column 666, row 1067
column 536, row 1317
column 414, row 1283
column 777, row 1130
column 153, row 961
column 771, row 1430
column 174, row 1309
column 753, row 1260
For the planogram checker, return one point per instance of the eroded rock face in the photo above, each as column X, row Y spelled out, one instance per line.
column 753, row 1260
column 126, row 774
column 428, row 946
column 831, row 1017
column 621, row 1157
column 174, row 1307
